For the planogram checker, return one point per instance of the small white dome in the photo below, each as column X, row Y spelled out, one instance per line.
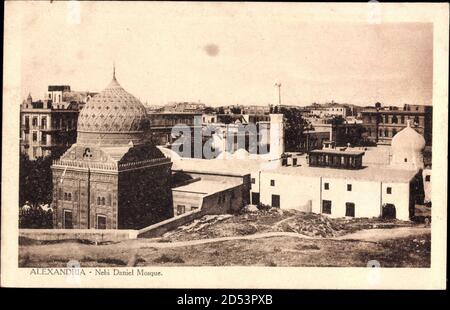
column 407, row 148
column 240, row 154
column 409, row 139
column 225, row 155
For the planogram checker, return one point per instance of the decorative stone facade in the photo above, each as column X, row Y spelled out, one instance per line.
column 113, row 177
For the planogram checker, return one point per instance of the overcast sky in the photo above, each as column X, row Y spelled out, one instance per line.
column 223, row 54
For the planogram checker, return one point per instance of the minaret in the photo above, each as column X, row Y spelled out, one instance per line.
column 276, row 136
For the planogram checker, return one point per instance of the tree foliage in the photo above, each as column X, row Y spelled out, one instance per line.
column 209, row 110
column 35, row 181
column 235, row 110
column 35, row 217
column 294, row 127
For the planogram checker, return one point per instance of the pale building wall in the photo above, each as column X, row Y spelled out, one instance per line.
column 296, row 192
column 191, row 201
column 427, row 184
column 364, row 194
column 399, row 197
column 306, row 194
column 254, row 185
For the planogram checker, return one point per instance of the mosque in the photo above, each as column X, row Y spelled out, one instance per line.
column 112, row 177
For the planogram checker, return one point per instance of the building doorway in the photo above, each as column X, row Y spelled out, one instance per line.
column 67, row 219
column 255, row 198
column 326, row 206
column 350, row 209
column 275, row 201
column 101, row 222
column 388, row 211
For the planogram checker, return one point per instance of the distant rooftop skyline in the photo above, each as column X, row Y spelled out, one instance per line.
column 223, row 54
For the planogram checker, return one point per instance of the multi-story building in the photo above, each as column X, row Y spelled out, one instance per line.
column 255, row 109
column 383, row 123
column 162, row 124
column 49, row 126
column 329, row 109
column 187, row 107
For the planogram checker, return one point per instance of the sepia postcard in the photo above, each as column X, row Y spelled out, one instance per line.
column 224, row 145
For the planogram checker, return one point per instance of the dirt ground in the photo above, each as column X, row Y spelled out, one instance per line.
column 264, row 238
column 411, row 251
column 276, row 220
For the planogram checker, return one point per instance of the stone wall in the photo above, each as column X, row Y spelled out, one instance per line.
column 93, row 235
column 145, row 196
column 158, row 229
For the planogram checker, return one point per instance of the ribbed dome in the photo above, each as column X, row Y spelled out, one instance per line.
column 408, row 139
column 113, row 116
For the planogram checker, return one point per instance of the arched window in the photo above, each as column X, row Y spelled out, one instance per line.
column 416, row 120
column 394, row 132
column 386, row 132
column 386, row 118
column 103, row 201
column 98, row 201
column 381, row 132
column 402, row 119
column 65, row 196
column 394, row 119
column 69, row 196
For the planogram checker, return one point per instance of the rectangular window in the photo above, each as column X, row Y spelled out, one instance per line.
column 181, row 209
column 350, row 209
column 272, row 182
column 34, row 136
column 67, row 221
column 389, row 190
column 101, row 222
column 326, row 186
column 349, row 187
column 193, row 208
column 253, row 181
column 326, row 206
column 427, row 178
column 275, row 201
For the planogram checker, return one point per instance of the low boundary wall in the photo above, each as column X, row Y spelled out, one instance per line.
column 158, row 229
column 99, row 235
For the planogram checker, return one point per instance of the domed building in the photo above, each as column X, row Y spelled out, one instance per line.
column 112, row 177
column 407, row 149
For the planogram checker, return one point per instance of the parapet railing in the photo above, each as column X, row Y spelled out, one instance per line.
column 107, row 166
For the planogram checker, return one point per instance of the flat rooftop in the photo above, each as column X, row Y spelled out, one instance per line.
column 370, row 173
column 236, row 167
column 337, row 152
column 206, row 187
